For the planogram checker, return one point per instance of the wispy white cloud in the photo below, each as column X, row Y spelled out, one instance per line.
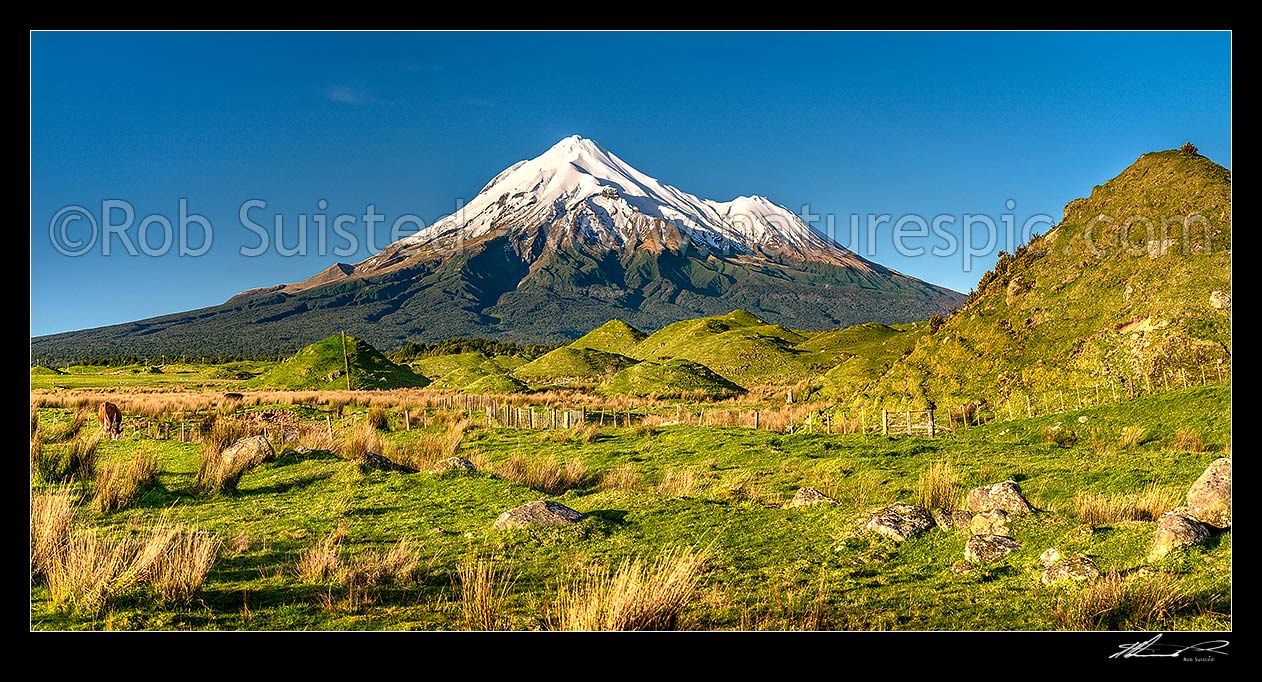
column 347, row 95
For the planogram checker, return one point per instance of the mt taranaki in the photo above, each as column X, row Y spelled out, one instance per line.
column 549, row 249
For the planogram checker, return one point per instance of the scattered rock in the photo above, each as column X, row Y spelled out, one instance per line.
column 1082, row 419
column 985, row 548
column 1176, row 529
column 1017, row 286
column 538, row 513
column 806, row 496
column 948, row 518
column 962, row 567
column 252, row 450
column 302, row 450
column 900, row 521
column 1209, row 498
column 993, row 522
column 1219, row 300
column 1057, row 568
column 1126, row 295
column 374, row 461
column 454, row 464
column 1006, row 496
column 1049, row 556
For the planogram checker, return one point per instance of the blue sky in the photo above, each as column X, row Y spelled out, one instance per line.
column 849, row 123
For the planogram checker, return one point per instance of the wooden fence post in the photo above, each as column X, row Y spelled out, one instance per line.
column 931, row 425
column 909, row 422
column 885, row 422
column 1029, row 410
column 407, row 420
column 755, row 419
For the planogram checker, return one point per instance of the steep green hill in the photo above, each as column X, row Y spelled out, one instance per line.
column 671, row 379
column 322, row 366
column 614, row 336
column 570, row 365
column 1093, row 301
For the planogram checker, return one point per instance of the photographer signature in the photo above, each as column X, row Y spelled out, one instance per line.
column 1151, row 649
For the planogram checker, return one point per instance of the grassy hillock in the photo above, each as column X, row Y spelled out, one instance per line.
column 571, row 365
column 738, row 346
column 614, row 336
column 322, row 365
column 676, row 378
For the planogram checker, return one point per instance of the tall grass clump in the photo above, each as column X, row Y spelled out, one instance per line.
column 358, row 441
column 118, row 482
column 1117, row 603
column 545, row 474
column 1147, row 505
column 378, row 419
column 939, row 487
column 637, row 595
column 51, row 514
column 322, row 561
column 89, row 571
column 175, row 561
column 484, row 593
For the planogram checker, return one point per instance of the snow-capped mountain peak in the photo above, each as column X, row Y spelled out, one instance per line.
column 579, row 187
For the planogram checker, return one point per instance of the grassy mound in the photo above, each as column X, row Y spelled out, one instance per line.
column 614, row 336
column 42, row 371
column 322, row 366
column 571, row 365
column 675, row 378
column 738, row 346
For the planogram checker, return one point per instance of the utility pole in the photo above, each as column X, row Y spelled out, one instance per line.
column 346, row 360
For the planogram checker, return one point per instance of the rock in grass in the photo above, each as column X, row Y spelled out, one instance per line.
column 900, row 521
column 454, row 464
column 252, row 450
column 1060, row 568
column 1177, row 529
column 1209, row 498
column 538, row 513
column 374, row 461
column 993, row 522
column 806, row 496
column 949, row 518
column 986, row 548
column 1219, row 300
column 1005, row 496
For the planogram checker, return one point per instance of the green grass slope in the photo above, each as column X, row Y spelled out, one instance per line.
column 738, row 346
column 860, row 354
column 570, row 365
column 770, row 568
column 676, row 378
column 322, row 366
column 1092, row 302
column 614, row 336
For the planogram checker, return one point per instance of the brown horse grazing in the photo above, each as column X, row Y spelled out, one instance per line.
column 110, row 419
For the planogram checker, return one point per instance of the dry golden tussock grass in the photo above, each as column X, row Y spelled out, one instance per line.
column 484, row 592
column 51, row 514
column 545, row 474
column 1116, row 602
column 118, row 482
column 637, row 595
column 939, row 487
column 1147, row 505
